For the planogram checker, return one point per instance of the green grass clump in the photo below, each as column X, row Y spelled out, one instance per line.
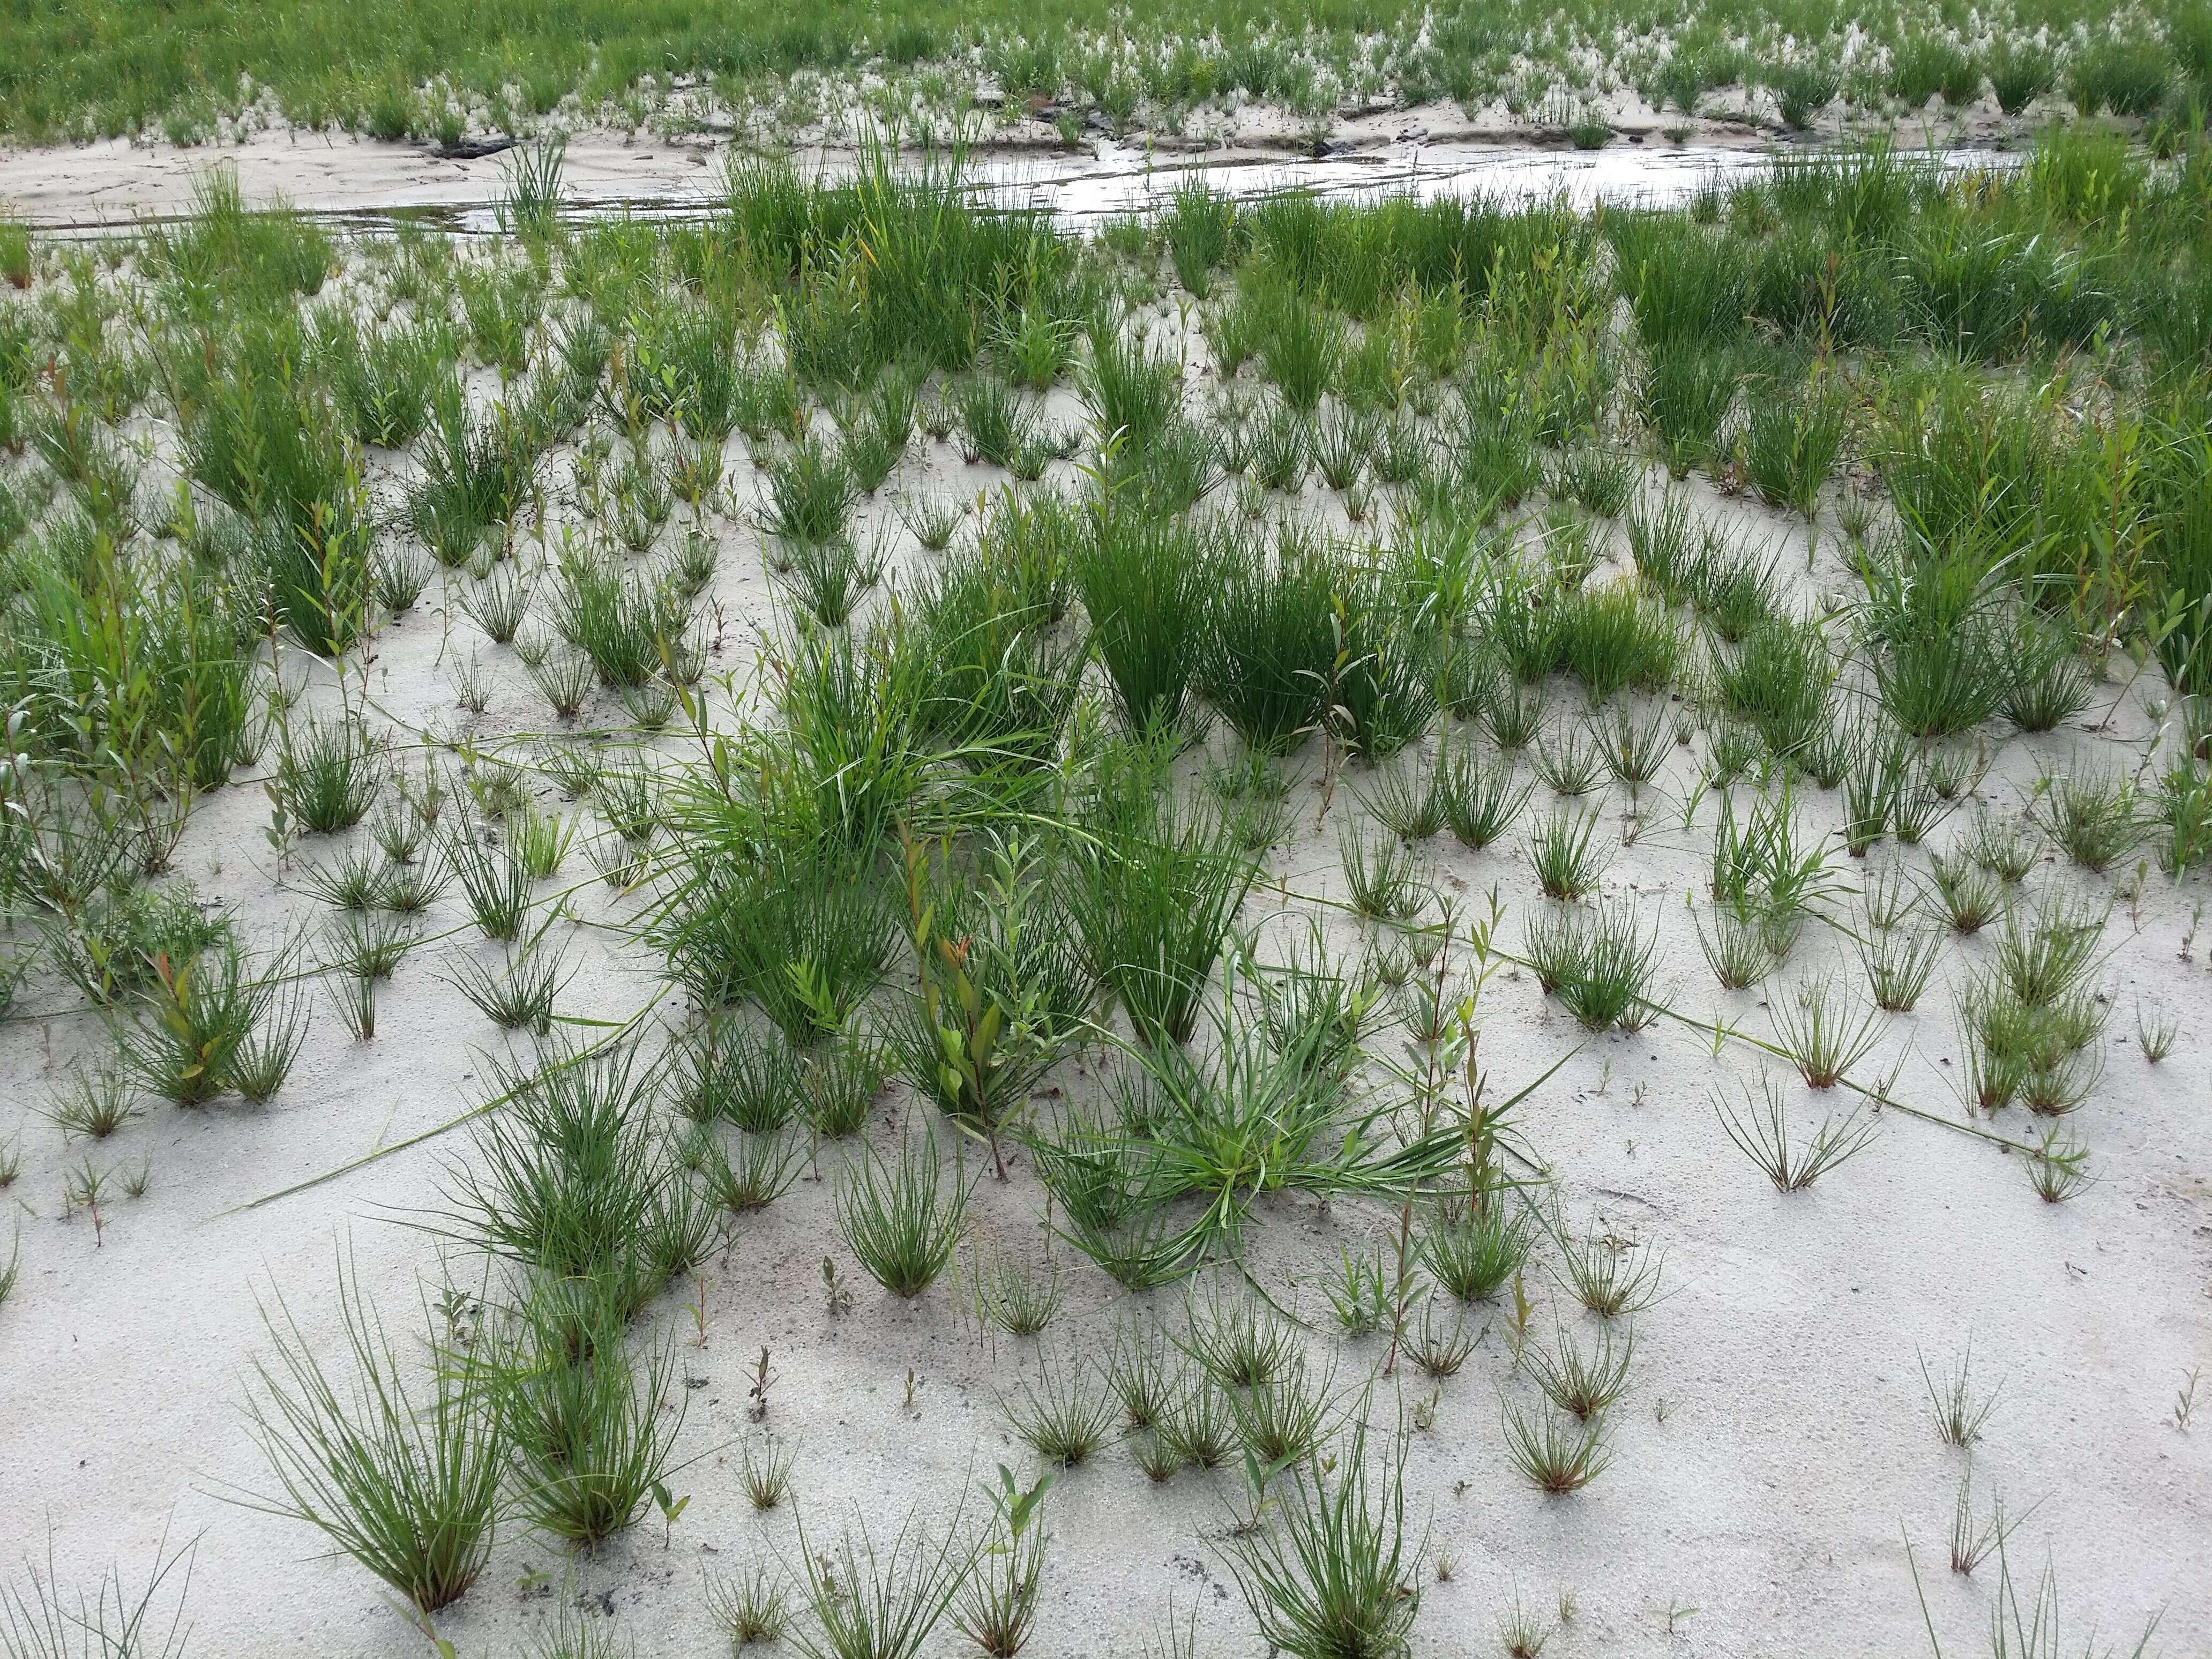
column 1567, row 864
column 903, row 1222
column 575, row 1177
column 1270, row 648
column 803, row 932
column 884, row 1604
column 1597, row 962
column 402, row 1474
column 328, row 774
column 589, row 1438
column 1480, row 800
column 1155, row 892
column 198, row 1037
column 1612, row 639
column 1332, row 1576
column 1779, row 680
column 1473, row 1249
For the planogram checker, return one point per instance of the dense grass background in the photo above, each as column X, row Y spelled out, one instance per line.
column 119, row 64
column 407, row 67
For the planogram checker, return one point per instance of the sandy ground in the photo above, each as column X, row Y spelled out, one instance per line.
column 1774, row 1452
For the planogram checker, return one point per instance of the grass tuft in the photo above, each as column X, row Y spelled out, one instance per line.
column 904, row 1222
column 405, row 1479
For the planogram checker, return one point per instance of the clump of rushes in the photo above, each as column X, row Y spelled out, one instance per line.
column 1474, row 1245
column 1380, row 875
column 828, row 578
column 1383, row 682
column 1404, row 800
column 1557, row 1452
column 2058, row 1167
column 113, row 1622
column 2027, row 1020
column 1279, row 453
column 519, row 995
column 406, row 1483
column 1480, row 800
column 564, row 679
column 841, row 1085
column 1959, row 1411
column 1738, row 943
column 1597, row 962
column 1790, row 442
column 261, row 1064
column 1336, row 1574
column 328, row 773
column 995, row 424
column 933, row 519
column 1272, row 639
column 1066, row 1417
column 2156, row 1027
column 493, row 877
column 1142, row 580
column 1763, row 1136
column 573, row 1177
column 765, row 1472
column 1202, row 230
column 1301, row 345
column 1634, row 753
column 96, row 1102
column 903, row 1222
column 1236, row 1340
column 1779, row 680
column 2043, row 957
column 588, row 1437
column 997, row 1608
column 1439, row 1349
column 1018, row 1302
column 726, row 1071
column 498, row 604
column 1582, row 1384
column 1562, row 850
column 2049, row 684
column 352, row 881
column 810, row 495
column 1899, row 961
column 803, row 932
column 1608, row 1277
column 1286, row 1418
column 540, row 840
column 628, row 624
column 1942, row 643
column 1126, row 389
column 1813, row 1027
column 1137, row 1372
column 1613, row 639
column 1687, row 391
column 1968, row 895
column 1513, row 713
column 1156, row 888
column 755, row 1607
column 1570, row 767
column 761, row 1172
column 2005, row 847
column 2091, row 813
column 872, row 1603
